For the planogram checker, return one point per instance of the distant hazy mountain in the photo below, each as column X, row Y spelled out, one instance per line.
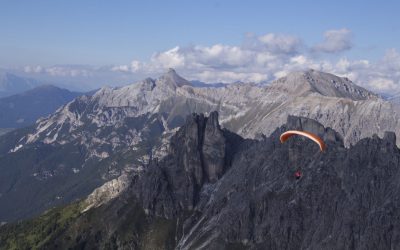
column 12, row 84
column 93, row 139
column 5, row 130
column 395, row 98
column 25, row 108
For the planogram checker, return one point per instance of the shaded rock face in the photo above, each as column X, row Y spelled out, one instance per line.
column 306, row 124
column 296, row 149
column 198, row 154
column 213, row 149
column 346, row 198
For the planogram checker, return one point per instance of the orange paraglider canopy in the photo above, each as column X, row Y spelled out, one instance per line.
column 286, row 135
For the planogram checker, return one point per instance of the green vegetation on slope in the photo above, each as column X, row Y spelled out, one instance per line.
column 121, row 224
column 36, row 233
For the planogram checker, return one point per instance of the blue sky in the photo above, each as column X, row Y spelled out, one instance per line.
column 100, row 33
column 112, row 32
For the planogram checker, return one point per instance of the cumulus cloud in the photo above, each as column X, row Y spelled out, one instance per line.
column 335, row 41
column 381, row 75
column 251, row 61
column 277, row 43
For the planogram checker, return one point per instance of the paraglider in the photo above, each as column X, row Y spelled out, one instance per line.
column 286, row 135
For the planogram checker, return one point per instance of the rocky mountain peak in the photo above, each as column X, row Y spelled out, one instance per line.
column 310, row 125
column 207, row 134
column 302, row 83
column 172, row 79
column 171, row 71
column 390, row 137
column 201, row 150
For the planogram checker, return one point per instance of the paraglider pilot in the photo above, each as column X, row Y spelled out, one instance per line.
column 297, row 174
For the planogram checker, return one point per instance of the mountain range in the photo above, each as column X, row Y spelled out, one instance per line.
column 214, row 189
column 247, row 109
column 23, row 109
column 116, row 131
column 11, row 84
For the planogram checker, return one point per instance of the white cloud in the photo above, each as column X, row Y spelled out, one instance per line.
column 172, row 58
column 228, row 76
column 122, row 68
column 391, row 60
column 381, row 76
column 280, row 43
column 65, row 71
column 252, row 61
column 33, row 69
column 383, row 84
column 335, row 41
